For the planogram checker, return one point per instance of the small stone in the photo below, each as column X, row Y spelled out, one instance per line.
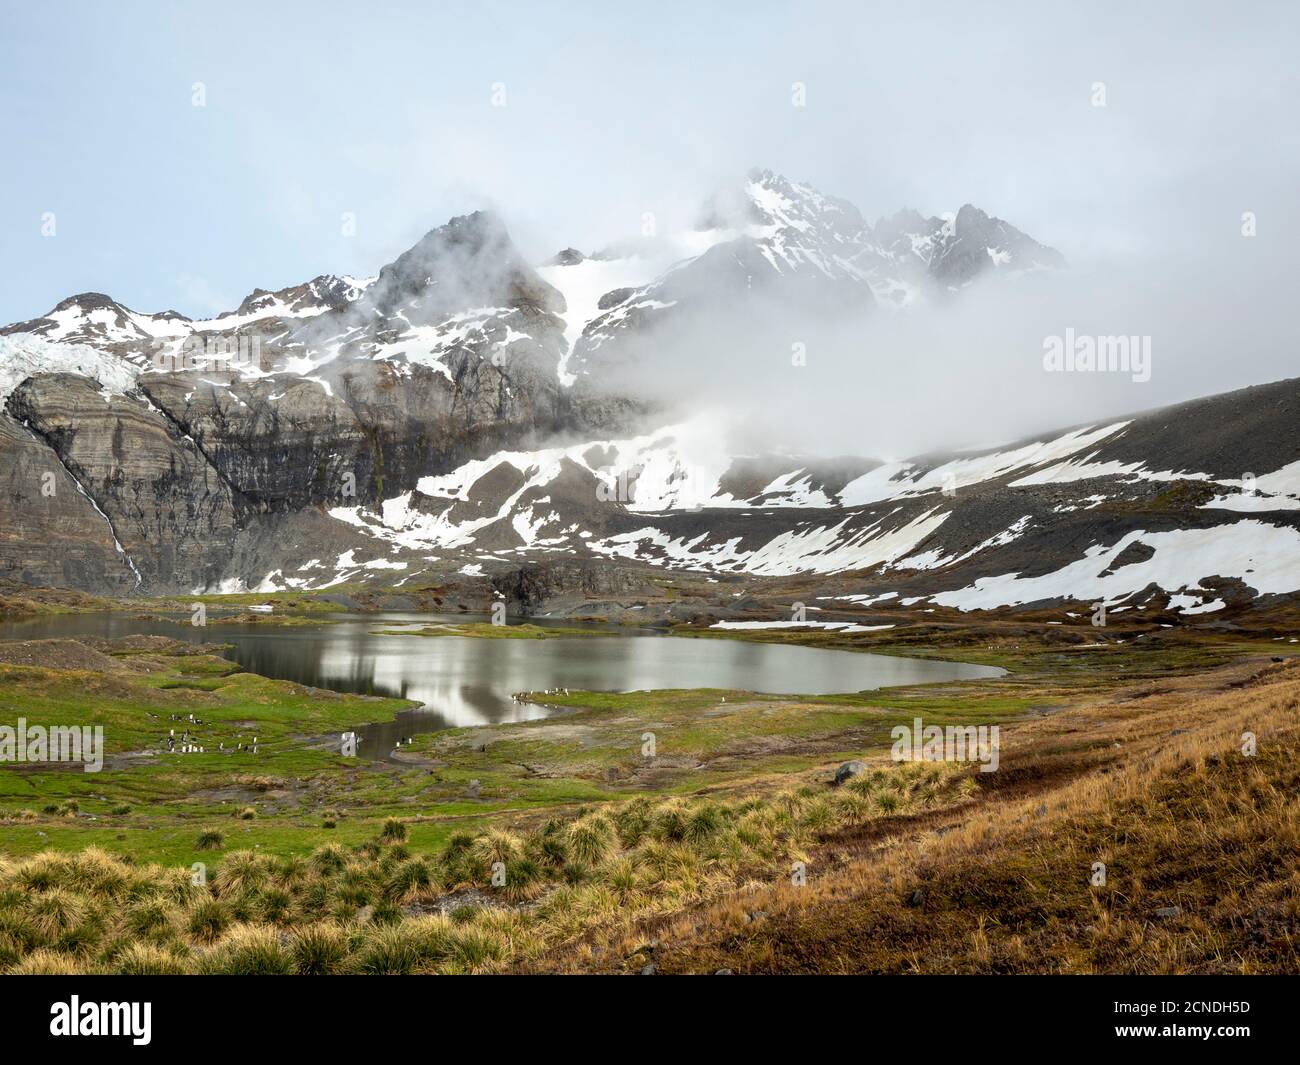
column 1169, row 911
column 723, row 972
column 847, row 771
column 918, row 897
column 648, row 969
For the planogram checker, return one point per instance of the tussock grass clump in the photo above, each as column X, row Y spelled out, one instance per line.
column 888, row 804
column 11, row 950
column 143, row 959
column 274, row 905
column 152, row 917
column 592, row 838
column 207, row 920
column 56, row 911
column 42, row 871
column 210, row 839
column 523, row 881
column 624, row 878
column 668, row 821
column 408, row 880
column 550, row 848
column 45, row 962
column 330, row 858
column 98, row 872
column 292, row 871
column 248, row 950
column 475, row 948
column 703, row 823
column 633, row 821
column 410, row 947
column 353, row 909
column 394, row 831
column 320, row 949
column 496, row 846
column 240, row 873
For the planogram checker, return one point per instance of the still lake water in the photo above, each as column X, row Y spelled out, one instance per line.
column 469, row 681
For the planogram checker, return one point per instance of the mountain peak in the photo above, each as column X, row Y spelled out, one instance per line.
column 321, row 293
column 94, row 317
column 470, row 261
column 764, row 203
column 567, row 257
column 977, row 240
column 88, row 301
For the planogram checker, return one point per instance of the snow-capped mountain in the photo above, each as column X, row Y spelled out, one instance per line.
column 464, row 287
column 455, row 418
column 768, row 242
column 1099, row 512
column 94, row 319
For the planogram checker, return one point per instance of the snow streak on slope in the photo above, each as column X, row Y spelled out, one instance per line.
column 583, row 282
column 1265, row 557
column 305, row 301
column 904, row 478
column 818, row 549
column 676, row 468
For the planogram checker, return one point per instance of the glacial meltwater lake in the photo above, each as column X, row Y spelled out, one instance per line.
column 471, row 681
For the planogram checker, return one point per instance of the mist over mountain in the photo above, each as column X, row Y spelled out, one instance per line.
column 715, row 489
column 782, row 388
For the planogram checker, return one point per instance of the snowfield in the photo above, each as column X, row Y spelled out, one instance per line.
column 23, row 356
column 1266, row 557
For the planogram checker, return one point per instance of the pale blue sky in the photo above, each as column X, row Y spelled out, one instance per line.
column 314, row 109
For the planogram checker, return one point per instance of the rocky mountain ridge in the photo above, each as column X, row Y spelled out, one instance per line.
column 457, row 419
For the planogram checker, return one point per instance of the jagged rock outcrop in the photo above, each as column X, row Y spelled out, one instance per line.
column 51, row 533
column 419, row 420
column 170, row 510
column 281, row 442
column 548, row 582
column 326, row 292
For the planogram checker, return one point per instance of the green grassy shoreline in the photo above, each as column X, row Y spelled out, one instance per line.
column 744, row 754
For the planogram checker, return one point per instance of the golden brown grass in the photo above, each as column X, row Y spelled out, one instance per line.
column 361, row 910
column 1200, row 844
column 911, row 868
